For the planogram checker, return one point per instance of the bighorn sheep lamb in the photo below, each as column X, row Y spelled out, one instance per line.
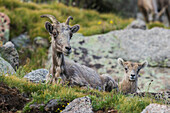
column 154, row 7
column 129, row 83
column 71, row 72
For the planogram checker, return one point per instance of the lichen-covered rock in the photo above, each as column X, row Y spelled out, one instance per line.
column 22, row 41
column 37, row 76
column 156, row 108
column 5, row 68
column 79, row 105
column 10, row 54
column 137, row 24
column 4, row 27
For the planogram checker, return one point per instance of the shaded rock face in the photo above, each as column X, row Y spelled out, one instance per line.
column 156, row 108
column 5, row 67
column 52, row 106
column 37, row 76
column 9, row 53
column 4, row 27
column 79, row 105
column 137, row 24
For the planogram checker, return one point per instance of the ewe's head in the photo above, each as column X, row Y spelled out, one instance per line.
column 132, row 69
column 61, row 33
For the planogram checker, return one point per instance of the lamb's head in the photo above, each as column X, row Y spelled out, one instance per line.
column 61, row 33
column 131, row 69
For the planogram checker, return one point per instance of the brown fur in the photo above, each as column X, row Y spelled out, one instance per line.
column 154, row 7
column 130, row 80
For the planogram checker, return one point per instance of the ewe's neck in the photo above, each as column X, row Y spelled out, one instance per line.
column 58, row 60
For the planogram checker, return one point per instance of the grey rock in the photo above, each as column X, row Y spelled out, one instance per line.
column 156, row 108
column 51, row 105
column 22, row 41
column 10, row 54
column 137, row 24
column 41, row 42
column 79, row 105
column 5, row 68
column 37, row 76
column 130, row 44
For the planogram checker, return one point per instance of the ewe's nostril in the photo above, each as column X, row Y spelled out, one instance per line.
column 132, row 75
column 68, row 48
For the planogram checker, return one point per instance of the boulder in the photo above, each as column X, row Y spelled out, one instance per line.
column 10, row 54
column 4, row 27
column 41, row 42
column 37, row 76
column 156, row 108
column 5, row 68
column 137, row 24
column 79, row 105
column 22, row 41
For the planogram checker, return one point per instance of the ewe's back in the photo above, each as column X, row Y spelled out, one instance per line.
column 81, row 75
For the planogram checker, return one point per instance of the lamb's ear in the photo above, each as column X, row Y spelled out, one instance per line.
column 144, row 64
column 75, row 28
column 49, row 27
column 120, row 61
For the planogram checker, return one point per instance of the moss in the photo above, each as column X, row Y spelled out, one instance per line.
column 156, row 24
column 25, row 17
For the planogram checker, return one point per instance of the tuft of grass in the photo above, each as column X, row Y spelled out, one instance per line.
column 42, row 93
column 156, row 24
column 25, row 17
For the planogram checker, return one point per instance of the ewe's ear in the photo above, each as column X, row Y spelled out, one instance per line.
column 144, row 64
column 75, row 28
column 49, row 27
column 120, row 61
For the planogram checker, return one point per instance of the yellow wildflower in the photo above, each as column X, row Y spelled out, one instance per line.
column 99, row 22
column 62, row 105
column 67, row 103
column 60, row 110
column 111, row 22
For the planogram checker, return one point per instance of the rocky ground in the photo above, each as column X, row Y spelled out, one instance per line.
column 11, row 100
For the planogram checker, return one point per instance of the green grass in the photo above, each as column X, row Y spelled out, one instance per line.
column 42, row 93
column 25, row 17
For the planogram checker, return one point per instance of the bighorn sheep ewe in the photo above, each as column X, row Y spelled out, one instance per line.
column 154, row 7
column 61, row 34
column 130, row 80
column 69, row 71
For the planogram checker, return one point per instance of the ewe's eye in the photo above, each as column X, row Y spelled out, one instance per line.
column 71, row 35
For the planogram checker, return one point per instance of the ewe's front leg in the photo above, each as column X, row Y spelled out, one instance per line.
column 56, row 75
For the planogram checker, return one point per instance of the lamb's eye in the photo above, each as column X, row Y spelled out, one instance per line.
column 126, row 69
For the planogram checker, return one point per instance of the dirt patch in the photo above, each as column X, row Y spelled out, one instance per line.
column 10, row 99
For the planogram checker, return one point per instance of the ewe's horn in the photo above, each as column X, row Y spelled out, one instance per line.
column 51, row 17
column 68, row 20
